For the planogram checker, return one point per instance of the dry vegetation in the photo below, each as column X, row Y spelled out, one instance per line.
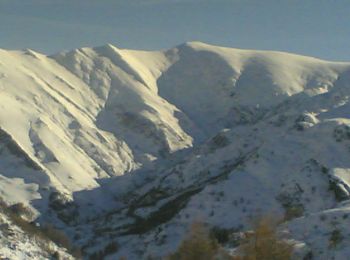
column 198, row 245
column 262, row 243
column 20, row 215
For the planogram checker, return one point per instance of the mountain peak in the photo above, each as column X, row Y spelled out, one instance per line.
column 135, row 145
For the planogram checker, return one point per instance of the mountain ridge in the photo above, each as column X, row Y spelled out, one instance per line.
column 127, row 142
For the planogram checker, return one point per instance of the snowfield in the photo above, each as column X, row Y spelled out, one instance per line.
column 130, row 147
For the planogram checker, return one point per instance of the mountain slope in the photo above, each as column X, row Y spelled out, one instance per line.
column 127, row 143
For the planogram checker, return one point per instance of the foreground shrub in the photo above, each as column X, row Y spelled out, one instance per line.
column 198, row 245
column 22, row 211
column 264, row 243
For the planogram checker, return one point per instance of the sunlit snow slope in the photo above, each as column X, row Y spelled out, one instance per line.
column 71, row 121
column 97, row 112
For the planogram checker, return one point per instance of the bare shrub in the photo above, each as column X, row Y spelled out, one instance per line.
column 264, row 243
column 57, row 236
column 22, row 211
column 19, row 214
column 198, row 245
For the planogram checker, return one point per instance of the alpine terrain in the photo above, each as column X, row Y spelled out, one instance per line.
column 120, row 151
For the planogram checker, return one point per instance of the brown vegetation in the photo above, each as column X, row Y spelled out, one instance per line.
column 21, row 210
column 198, row 245
column 262, row 243
column 19, row 214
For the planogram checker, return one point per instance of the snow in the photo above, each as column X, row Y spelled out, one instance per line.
column 125, row 133
column 14, row 190
column 16, row 244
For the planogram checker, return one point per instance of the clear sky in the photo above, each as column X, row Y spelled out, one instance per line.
column 318, row 28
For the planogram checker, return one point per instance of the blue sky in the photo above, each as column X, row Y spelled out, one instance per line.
column 318, row 28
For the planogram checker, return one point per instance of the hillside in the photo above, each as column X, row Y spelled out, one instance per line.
column 131, row 147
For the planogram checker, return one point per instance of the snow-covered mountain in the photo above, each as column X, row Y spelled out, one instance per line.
column 131, row 147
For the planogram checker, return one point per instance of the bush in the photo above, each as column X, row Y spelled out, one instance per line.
column 335, row 238
column 264, row 243
column 292, row 205
column 19, row 214
column 57, row 236
column 222, row 235
column 22, row 211
column 198, row 245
